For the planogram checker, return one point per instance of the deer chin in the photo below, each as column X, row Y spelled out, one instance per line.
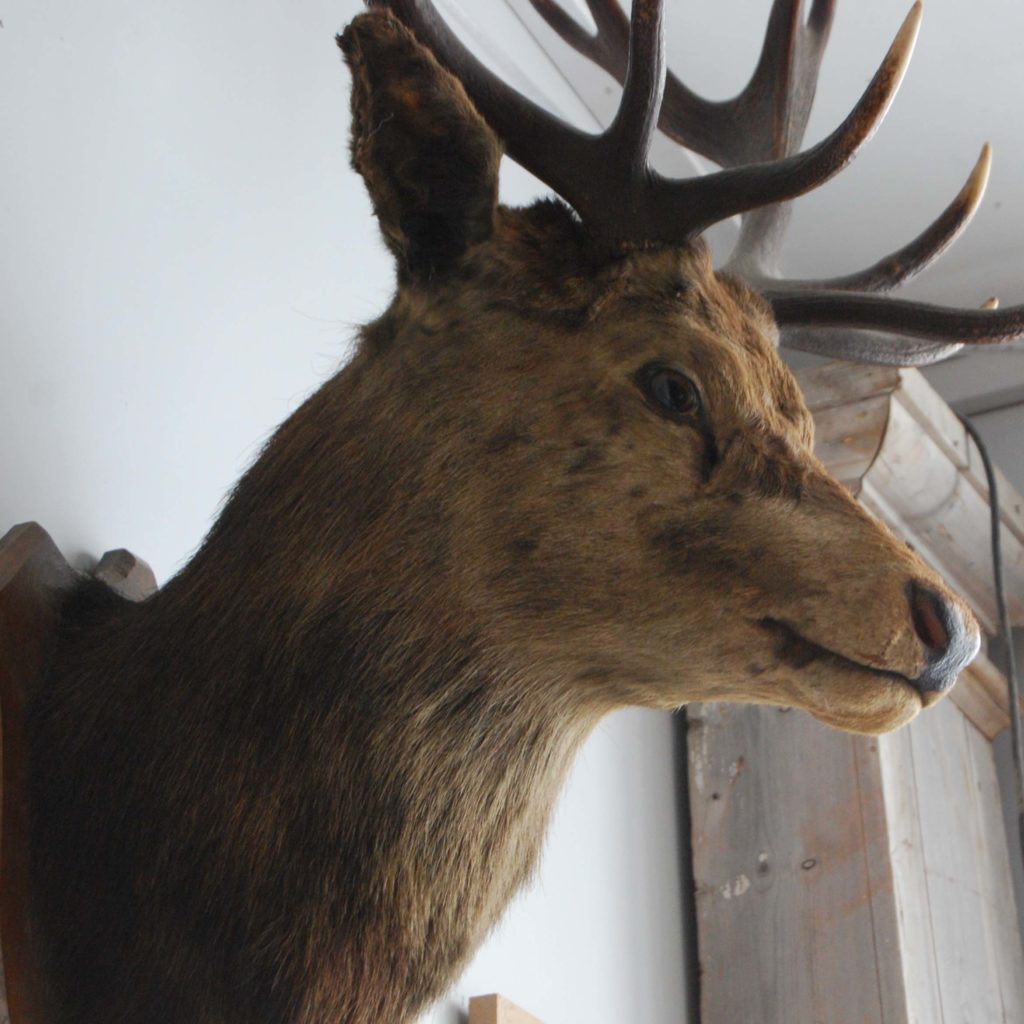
column 844, row 693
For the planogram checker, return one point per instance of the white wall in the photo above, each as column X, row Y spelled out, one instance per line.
column 184, row 253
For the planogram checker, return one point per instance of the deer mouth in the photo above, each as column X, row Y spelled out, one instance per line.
column 840, row 691
column 795, row 651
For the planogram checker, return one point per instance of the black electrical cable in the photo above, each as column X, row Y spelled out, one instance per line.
column 1004, row 625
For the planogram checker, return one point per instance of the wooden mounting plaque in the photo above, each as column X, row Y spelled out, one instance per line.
column 32, row 574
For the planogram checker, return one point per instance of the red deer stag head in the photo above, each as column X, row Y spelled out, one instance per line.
column 565, row 472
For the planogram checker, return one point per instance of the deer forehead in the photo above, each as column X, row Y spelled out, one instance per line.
column 669, row 306
column 526, row 314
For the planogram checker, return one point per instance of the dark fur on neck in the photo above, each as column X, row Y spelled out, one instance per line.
column 309, row 789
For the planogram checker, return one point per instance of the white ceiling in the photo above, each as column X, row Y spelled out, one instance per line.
column 965, row 86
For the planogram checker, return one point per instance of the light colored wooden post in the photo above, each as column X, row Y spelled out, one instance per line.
column 796, row 913
column 961, row 951
column 495, row 1009
column 843, row 878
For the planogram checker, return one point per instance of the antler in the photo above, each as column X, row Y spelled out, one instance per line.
column 606, row 177
column 754, row 137
column 764, row 122
column 767, row 119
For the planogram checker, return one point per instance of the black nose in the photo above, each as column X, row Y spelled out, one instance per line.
column 948, row 643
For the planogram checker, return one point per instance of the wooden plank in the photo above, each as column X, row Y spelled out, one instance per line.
column 495, row 1009
column 961, row 947
column 838, row 383
column 943, row 426
column 947, row 802
column 938, row 509
column 987, row 677
column 986, row 714
column 906, row 857
column 982, row 694
column 847, row 437
column 931, row 411
column 875, row 844
column 791, row 870
column 992, row 855
column 32, row 575
column 850, row 405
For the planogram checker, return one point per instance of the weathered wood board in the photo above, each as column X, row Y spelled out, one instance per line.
column 961, row 946
column 796, row 913
column 982, row 696
column 854, row 879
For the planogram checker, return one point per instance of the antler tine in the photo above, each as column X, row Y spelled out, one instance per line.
column 765, row 121
column 784, row 81
column 772, row 113
column 820, row 19
column 687, row 118
column 737, row 190
column 869, row 347
column 901, row 316
column 587, row 170
column 632, row 131
column 607, row 48
column 903, row 264
column 730, row 132
column 861, row 346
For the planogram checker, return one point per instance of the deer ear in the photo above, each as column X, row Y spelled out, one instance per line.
column 428, row 159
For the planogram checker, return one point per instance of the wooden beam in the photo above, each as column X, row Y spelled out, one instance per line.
column 983, row 696
column 959, row 938
column 795, row 908
column 843, row 878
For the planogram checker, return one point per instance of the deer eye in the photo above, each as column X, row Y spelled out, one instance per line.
column 673, row 393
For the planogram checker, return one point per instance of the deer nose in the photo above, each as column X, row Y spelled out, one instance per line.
column 949, row 643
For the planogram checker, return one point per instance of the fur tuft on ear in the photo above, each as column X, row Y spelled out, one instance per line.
column 429, row 161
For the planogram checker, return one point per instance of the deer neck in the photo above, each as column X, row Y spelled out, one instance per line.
column 432, row 758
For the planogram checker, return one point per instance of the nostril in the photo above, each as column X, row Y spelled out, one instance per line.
column 932, row 619
column 950, row 641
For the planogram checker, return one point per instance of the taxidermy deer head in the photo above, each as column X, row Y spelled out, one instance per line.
column 565, row 472
column 650, row 489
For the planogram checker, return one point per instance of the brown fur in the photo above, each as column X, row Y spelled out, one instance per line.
column 302, row 782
